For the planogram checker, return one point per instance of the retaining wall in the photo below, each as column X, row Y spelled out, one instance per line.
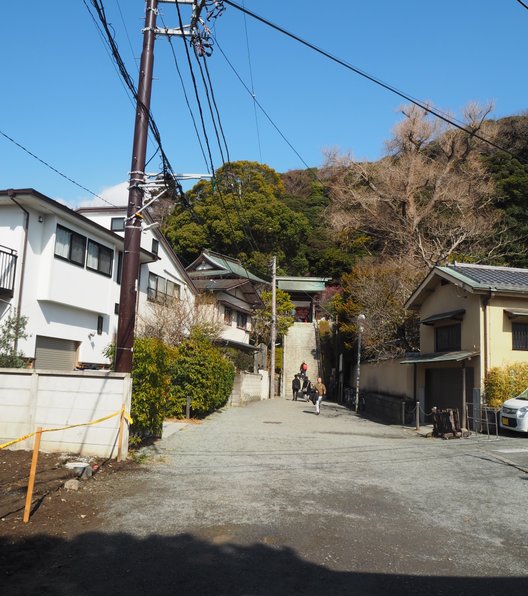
column 249, row 387
column 51, row 399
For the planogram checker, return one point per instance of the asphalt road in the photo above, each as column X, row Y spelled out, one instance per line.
column 272, row 499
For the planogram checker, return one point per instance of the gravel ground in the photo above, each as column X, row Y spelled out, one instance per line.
column 271, row 499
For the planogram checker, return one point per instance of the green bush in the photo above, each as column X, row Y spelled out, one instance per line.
column 12, row 330
column 151, row 387
column 505, row 382
column 199, row 370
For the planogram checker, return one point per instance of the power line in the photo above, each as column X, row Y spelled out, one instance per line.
column 209, row 85
column 54, row 169
column 186, row 98
column 168, row 172
column 246, row 230
column 523, row 4
column 126, row 33
column 260, row 105
column 252, row 84
column 433, row 111
column 211, row 112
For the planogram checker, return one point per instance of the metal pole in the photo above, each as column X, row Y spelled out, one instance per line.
column 273, row 325
column 360, row 320
column 464, row 398
column 417, row 415
column 131, row 263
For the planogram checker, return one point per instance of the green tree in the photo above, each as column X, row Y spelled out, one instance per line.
column 201, row 372
column 11, row 331
column 239, row 213
column 511, row 180
column 151, row 387
column 323, row 252
column 262, row 318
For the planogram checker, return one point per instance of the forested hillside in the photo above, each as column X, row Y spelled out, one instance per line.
column 438, row 195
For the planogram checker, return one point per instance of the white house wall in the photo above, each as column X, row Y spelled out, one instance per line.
column 163, row 267
column 60, row 299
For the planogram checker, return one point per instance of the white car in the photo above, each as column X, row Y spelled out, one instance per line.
column 514, row 413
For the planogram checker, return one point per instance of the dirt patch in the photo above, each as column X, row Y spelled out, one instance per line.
column 56, row 511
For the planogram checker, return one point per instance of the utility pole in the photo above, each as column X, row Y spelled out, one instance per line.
column 360, row 329
column 129, row 278
column 273, row 324
column 138, row 182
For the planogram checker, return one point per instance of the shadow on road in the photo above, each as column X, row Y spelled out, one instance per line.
column 116, row 564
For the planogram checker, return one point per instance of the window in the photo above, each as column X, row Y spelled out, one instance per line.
column 447, row 338
column 241, row 320
column 70, row 246
column 99, row 258
column 155, row 246
column 100, row 321
column 117, row 224
column 161, row 290
column 228, row 315
column 520, row 336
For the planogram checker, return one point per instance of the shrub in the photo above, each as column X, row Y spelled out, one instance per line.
column 151, row 387
column 505, row 382
column 12, row 329
column 199, row 370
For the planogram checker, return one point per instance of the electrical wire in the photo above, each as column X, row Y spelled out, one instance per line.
column 186, row 97
column 214, row 181
column 423, row 105
column 213, row 98
column 168, row 172
column 55, row 169
column 523, row 4
column 195, row 87
column 211, row 112
column 127, row 35
column 252, row 84
column 260, row 105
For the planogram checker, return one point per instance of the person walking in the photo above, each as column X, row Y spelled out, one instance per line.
column 303, row 369
column 296, row 386
column 319, row 389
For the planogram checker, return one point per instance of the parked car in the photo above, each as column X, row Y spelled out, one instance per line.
column 514, row 413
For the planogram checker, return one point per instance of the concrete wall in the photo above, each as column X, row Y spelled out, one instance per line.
column 249, row 387
column 387, row 377
column 55, row 399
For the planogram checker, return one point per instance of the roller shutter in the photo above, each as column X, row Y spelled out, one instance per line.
column 55, row 354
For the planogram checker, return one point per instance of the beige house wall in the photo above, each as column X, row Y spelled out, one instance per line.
column 447, row 298
column 500, row 331
column 388, row 377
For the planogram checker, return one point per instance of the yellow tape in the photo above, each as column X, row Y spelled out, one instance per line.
column 4, row 445
column 125, row 414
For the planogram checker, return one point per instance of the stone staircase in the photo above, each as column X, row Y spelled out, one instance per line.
column 299, row 344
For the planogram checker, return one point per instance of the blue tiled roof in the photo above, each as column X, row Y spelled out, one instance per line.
column 488, row 276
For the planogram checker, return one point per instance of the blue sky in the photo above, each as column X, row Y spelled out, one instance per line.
column 62, row 99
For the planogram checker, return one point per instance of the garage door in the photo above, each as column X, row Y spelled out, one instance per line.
column 443, row 388
column 55, row 354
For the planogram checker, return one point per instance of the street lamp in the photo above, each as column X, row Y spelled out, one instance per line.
column 360, row 329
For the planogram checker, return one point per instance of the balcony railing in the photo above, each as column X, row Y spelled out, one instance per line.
column 8, row 260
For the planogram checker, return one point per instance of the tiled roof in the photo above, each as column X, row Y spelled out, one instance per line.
column 221, row 266
column 488, row 276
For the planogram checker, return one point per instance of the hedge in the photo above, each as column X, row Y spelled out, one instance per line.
column 505, row 382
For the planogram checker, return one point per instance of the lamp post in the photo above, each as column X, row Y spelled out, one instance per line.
column 360, row 329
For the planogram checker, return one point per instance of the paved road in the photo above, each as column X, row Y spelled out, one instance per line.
column 271, row 499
